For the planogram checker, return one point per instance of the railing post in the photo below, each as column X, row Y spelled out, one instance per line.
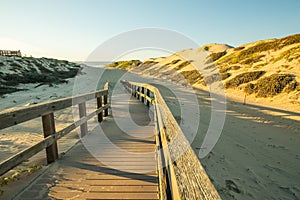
column 137, row 94
column 132, row 90
column 105, row 103
column 99, row 105
column 82, row 113
column 142, row 98
column 49, row 129
column 135, row 91
column 148, row 95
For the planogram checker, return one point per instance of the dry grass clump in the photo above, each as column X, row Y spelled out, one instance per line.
column 217, row 56
column 182, row 65
column 174, row 62
column 243, row 78
column 272, row 85
column 252, row 60
column 192, row 76
column 226, row 68
column 249, row 53
column 216, row 77
column 144, row 66
column 125, row 64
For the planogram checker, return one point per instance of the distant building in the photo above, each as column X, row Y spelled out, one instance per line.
column 10, row 53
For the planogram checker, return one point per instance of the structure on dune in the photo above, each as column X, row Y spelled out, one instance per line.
column 10, row 53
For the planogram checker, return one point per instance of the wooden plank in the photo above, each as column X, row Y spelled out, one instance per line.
column 15, row 160
column 81, row 176
column 119, row 159
column 99, row 105
column 105, row 101
column 140, row 196
column 127, row 189
column 16, row 116
column 117, row 183
column 148, row 97
column 82, row 113
column 177, row 180
column 128, row 176
column 49, row 129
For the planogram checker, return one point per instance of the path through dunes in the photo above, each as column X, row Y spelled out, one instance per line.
column 107, row 164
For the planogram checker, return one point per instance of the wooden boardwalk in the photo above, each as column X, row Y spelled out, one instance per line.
column 106, row 164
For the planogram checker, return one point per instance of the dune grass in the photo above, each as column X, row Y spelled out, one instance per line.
column 245, row 77
column 272, row 85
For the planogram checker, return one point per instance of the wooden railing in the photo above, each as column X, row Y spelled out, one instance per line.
column 46, row 111
column 10, row 53
column 181, row 175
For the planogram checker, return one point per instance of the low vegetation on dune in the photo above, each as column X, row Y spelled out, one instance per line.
column 216, row 77
column 182, row 65
column 126, row 65
column 243, row 67
column 174, row 62
column 16, row 70
column 144, row 66
column 288, row 55
column 272, row 85
column 192, row 76
column 242, row 54
column 245, row 77
column 216, row 56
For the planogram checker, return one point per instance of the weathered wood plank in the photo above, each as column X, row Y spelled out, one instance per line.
column 188, row 173
column 82, row 113
column 15, row 160
column 140, row 196
column 16, row 116
column 123, row 189
column 105, row 101
column 99, row 105
column 49, row 129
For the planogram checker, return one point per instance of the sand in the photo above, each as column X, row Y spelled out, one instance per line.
column 256, row 157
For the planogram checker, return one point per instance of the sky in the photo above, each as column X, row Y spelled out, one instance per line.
column 72, row 29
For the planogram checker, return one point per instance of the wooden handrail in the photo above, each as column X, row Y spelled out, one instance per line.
column 45, row 110
column 180, row 176
column 19, row 115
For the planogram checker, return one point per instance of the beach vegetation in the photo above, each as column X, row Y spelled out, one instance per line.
column 192, row 76
column 243, row 78
column 272, row 85
column 128, row 64
column 182, row 65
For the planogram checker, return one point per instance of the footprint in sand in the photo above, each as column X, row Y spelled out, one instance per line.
column 231, row 185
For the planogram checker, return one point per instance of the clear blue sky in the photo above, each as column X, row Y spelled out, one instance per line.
column 71, row 29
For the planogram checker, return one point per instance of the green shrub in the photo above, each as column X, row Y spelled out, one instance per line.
column 272, row 85
column 243, row 78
